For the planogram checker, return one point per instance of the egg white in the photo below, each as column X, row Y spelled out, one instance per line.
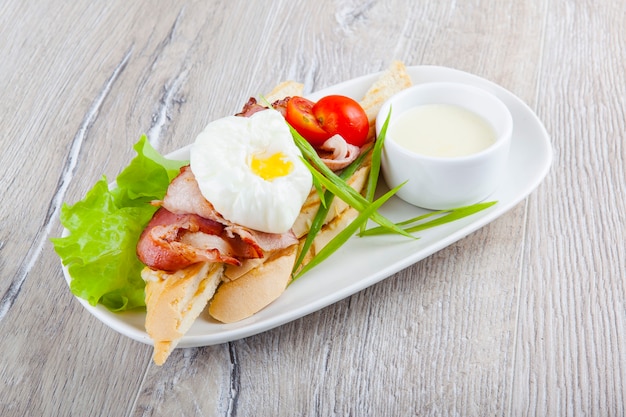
column 220, row 160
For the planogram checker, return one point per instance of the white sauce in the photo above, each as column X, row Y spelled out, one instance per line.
column 442, row 130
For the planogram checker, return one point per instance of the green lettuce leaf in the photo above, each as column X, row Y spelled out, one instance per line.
column 104, row 228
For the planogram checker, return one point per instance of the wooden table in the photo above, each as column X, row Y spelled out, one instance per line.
column 526, row 316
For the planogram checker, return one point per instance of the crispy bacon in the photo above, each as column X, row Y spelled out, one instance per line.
column 266, row 241
column 187, row 229
column 183, row 196
column 252, row 106
column 281, row 105
column 174, row 241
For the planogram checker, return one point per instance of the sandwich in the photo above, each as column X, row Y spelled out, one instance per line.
column 200, row 258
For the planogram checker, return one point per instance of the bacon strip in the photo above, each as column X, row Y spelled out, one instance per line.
column 174, row 241
column 184, row 196
column 252, row 106
column 187, row 229
column 337, row 154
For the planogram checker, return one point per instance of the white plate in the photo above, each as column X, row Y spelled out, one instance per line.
column 363, row 262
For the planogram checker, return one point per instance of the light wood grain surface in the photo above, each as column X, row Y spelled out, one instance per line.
column 525, row 317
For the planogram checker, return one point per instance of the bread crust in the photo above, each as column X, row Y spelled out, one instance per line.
column 174, row 301
column 393, row 80
column 285, row 89
column 241, row 298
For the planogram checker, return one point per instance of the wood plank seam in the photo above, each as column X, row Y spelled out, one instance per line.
column 9, row 297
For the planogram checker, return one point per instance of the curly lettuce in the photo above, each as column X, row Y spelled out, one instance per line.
column 104, row 227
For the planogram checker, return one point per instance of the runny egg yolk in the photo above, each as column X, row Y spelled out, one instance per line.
column 271, row 167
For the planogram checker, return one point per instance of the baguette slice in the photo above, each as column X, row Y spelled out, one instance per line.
column 174, row 301
column 393, row 80
column 285, row 89
column 241, row 298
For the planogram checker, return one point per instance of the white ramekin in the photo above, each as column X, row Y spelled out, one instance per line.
column 440, row 183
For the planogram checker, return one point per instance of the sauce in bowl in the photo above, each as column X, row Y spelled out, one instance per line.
column 442, row 130
column 447, row 144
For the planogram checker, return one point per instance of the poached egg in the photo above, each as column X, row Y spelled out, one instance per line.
column 250, row 170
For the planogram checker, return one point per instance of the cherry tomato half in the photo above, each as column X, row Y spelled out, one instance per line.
column 331, row 115
column 300, row 115
column 344, row 116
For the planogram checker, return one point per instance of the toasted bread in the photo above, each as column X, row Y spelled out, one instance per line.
column 233, row 272
column 174, row 301
column 239, row 299
column 285, row 89
column 393, row 80
column 311, row 205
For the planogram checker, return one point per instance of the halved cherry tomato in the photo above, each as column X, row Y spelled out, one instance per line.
column 300, row 115
column 344, row 116
column 331, row 115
